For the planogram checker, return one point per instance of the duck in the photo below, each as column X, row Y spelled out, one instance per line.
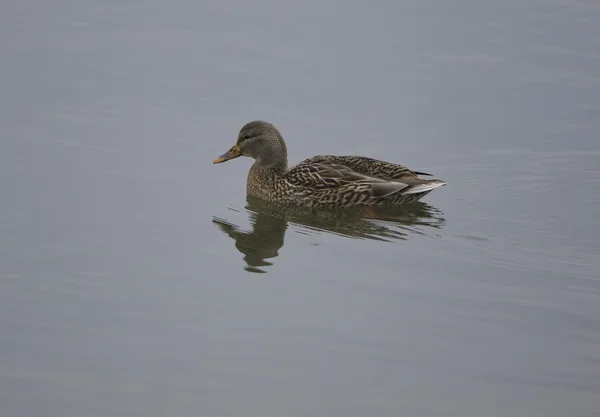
column 323, row 180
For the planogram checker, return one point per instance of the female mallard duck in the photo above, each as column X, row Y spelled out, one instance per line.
column 324, row 180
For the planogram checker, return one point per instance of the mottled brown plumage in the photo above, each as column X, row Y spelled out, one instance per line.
column 324, row 180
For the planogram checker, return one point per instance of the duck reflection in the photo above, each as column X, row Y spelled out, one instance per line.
column 270, row 222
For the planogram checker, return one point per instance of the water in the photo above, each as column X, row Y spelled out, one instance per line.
column 137, row 280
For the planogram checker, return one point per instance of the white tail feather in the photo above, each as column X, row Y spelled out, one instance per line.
column 421, row 188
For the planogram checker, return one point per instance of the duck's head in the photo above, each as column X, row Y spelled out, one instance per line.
column 259, row 140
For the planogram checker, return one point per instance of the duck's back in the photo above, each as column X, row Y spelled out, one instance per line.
column 353, row 181
column 371, row 167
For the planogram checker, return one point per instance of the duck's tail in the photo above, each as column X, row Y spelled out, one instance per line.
column 425, row 186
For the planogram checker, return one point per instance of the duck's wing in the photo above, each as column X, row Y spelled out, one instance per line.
column 330, row 183
column 339, row 183
column 372, row 167
column 327, row 174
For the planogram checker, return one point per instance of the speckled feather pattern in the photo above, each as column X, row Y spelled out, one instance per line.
column 325, row 180
column 336, row 181
column 371, row 167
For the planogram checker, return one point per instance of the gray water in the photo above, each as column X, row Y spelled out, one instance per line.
column 136, row 280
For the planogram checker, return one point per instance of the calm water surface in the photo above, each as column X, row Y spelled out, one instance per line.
column 136, row 279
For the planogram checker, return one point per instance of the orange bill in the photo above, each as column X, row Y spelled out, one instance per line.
column 234, row 152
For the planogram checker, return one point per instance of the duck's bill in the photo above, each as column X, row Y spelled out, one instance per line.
column 233, row 153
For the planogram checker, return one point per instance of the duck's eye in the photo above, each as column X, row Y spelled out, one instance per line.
column 246, row 136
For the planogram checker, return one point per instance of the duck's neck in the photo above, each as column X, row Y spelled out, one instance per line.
column 262, row 179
